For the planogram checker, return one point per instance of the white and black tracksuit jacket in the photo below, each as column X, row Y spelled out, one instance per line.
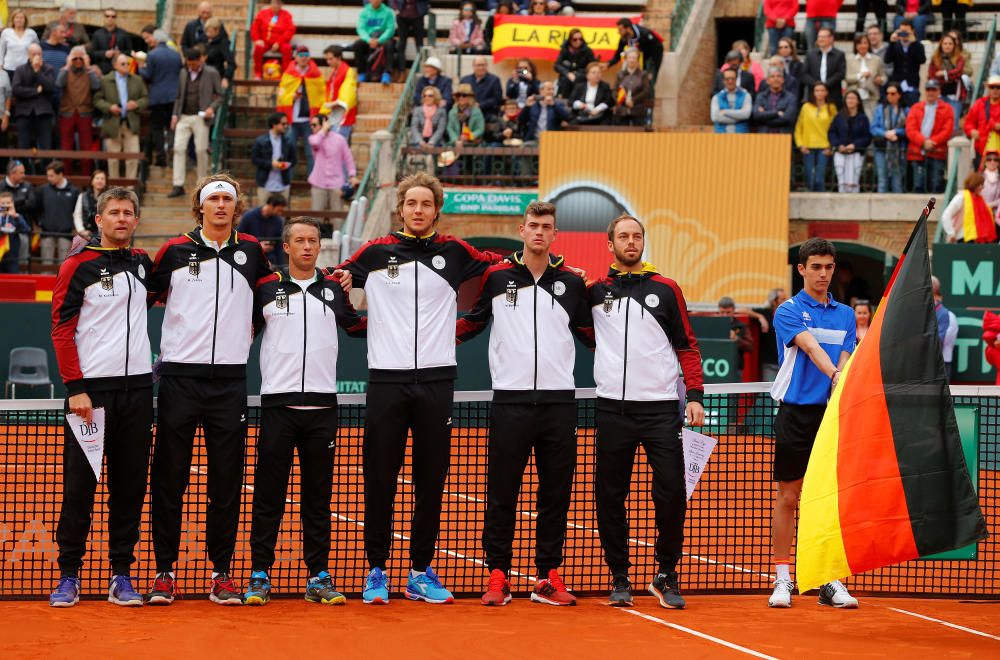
column 411, row 285
column 532, row 350
column 99, row 320
column 644, row 339
column 208, row 323
column 298, row 352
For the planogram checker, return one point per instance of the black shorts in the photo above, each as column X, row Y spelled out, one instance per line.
column 795, row 429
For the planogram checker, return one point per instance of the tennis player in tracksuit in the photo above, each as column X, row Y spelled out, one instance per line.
column 299, row 310
column 207, row 277
column 99, row 334
column 535, row 303
column 644, row 343
column 411, row 280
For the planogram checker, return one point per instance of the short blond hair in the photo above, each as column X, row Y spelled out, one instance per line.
column 420, row 180
column 212, row 178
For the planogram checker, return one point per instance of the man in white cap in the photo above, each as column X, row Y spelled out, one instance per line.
column 432, row 78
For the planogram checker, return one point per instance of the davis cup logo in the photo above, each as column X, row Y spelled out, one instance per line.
column 652, row 300
column 327, row 294
column 559, row 288
column 240, row 257
column 438, row 262
column 142, row 272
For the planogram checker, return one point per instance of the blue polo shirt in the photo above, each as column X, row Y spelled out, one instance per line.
column 799, row 381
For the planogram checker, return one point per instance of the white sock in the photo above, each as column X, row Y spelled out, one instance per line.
column 782, row 571
column 215, row 574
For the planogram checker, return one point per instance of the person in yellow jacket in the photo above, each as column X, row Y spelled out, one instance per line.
column 812, row 136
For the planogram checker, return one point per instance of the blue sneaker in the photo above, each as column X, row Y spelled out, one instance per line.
column 320, row 589
column 67, row 594
column 376, row 588
column 386, row 79
column 259, row 589
column 427, row 586
column 121, row 592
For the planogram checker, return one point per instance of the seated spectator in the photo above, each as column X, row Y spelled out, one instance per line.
column 812, row 136
column 24, row 200
column 301, row 94
column 865, row 74
column 55, row 50
column 506, row 7
column 342, row 88
column 54, row 206
column 273, row 155
column 544, row 113
column 86, row 205
column 108, row 41
column 77, row 84
column 410, row 15
column 510, row 133
column 591, row 100
column 218, row 52
column 571, row 63
column 917, row 12
column 738, row 334
column 952, row 67
column 734, row 61
column 905, row 55
column 820, row 14
column 967, row 218
column 487, row 87
column 429, row 119
column 991, row 339
column 792, row 65
column 850, row 135
column 373, row 51
column 779, row 19
column 889, row 138
column 775, row 109
column 14, row 42
column 731, row 107
column 877, row 44
column 12, row 225
column 33, row 87
column 991, row 185
column 633, row 90
column 646, row 41
column 120, row 99
column 272, row 31
column 333, row 166
column 878, row 7
column 862, row 318
column 466, row 125
column 195, row 32
column 466, row 35
column 983, row 120
column 75, row 32
column 265, row 223
column 826, row 64
column 537, row 8
column 523, row 85
column 432, row 78
column 928, row 127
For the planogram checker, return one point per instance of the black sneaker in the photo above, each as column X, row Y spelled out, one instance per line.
column 176, row 192
column 664, row 587
column 164, row 590
column 621, row 592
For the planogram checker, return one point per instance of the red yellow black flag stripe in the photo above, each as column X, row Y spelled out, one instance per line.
column 887, row 480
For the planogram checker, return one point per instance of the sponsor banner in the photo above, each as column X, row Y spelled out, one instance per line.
column 969, row 274
column 486, row 202
column 541, row 37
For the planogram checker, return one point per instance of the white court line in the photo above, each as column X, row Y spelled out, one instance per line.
column 715, row 640
column 946, row 623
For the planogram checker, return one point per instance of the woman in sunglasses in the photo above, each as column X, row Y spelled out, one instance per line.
column 991, row 174
column 429, row 120
column 571, row 65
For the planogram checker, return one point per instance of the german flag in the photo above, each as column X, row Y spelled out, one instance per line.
column 887, row 480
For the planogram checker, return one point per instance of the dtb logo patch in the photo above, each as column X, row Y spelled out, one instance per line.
column 281, row 299
column 511, row 292
column 609, row 301
column 194, row 265
column 392, row 270
column 107, row 280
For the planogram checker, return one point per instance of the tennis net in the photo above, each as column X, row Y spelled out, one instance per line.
column 727, row 532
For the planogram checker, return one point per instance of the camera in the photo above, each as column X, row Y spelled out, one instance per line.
column 903, row 33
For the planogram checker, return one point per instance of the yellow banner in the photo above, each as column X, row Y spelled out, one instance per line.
column 541, row 37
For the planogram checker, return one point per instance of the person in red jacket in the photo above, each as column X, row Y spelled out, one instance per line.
column 272, row 31
column 779, row 19
column 984, row 117
column 928, row 149
column 991, row 336
column 820, row 14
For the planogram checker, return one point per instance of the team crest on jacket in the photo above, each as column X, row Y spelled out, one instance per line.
column 194, row 266
column 107, row 281
column 240, row 257
column 142, row 272
column 609, row 301
column 438, row 262
column 281, row 299
column 559, row 288
column 392, row 270
column 652, row 300
column 511, row 292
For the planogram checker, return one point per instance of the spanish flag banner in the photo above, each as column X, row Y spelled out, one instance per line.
column 541, row 37
column 977, row 219
column 887, row 480
column 4, row 245
column 292, row 79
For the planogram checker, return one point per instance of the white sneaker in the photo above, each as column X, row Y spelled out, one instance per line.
column 782, row 594
column 835, row 594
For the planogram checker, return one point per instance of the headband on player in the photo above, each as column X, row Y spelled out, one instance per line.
column 217, row 187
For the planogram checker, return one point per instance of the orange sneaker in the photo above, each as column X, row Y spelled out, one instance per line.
column 552, row 591
column 498, row 591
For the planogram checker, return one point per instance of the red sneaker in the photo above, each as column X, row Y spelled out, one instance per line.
column 225, row 591
column 552, row 591
column 498, row 591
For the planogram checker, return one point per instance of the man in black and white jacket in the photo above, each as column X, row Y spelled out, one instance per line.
column 535, row 303
column 644, row 343
column 99, row 334
column 411, row 280
column 299, row 310
column 207, row 278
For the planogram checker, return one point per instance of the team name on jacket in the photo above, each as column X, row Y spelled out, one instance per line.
column 644, row 338
column 208, row 322
column 532, row 350
column 99, row 320
column 298, row 351
column 411, row 285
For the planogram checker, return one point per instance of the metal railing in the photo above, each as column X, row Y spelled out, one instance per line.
column 161, row 11
column 222, row 118
column 678, row 19
column 759, row 29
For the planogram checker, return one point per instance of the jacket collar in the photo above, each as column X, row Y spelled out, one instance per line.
column 555, row 260
column 806, row 299
column 285, row 275
column 647, row 271
column 415, row 240
column 195, row 236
